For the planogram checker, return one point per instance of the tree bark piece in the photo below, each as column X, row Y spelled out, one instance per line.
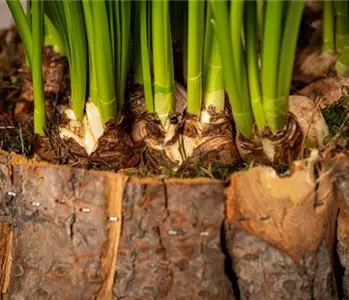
column 6, row 238
column 68, row 242
column 7, row 203
column 5, row 256
column 340, row 166
column 62, row 248
column 170, row 245
column 280, row 234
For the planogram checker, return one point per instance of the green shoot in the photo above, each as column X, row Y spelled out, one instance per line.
column 113, row 15
column 162, row 60
column 260, row 17
column 38, row 88
column 213, row 73
column 52, row 36
column 93, row 85
column 342, row 24
column 270, row 63
column 75, row 25
column 29, row 19
column 195, row 55
column 342, row 64
column 32, row 38
column 236, row 17
column 67, row 18
column 125, row 23
column 209, row 31
column 55, row 12
column 103, row 55
column 288, row 51
column 22, row 25
column 328, row 44
column 241, row 106
column 342, row 38
column 252, row 64
column 213, row 78
column 147, row 80
column 136, row 45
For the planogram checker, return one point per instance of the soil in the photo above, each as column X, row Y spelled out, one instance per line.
column 15, row 136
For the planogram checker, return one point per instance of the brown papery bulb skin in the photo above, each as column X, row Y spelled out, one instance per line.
column 265, row 147
column 310, row 119
column 305, row 119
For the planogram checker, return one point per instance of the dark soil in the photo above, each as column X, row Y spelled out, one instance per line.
column 15, row 136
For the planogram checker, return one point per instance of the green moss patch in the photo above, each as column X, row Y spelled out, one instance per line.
column 338, row 122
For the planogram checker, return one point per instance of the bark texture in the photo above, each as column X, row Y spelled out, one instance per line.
column 5, row 256
column 61, row 235
column 64, row 247
column 6, row 213
column 281, row 237
column 341, row 169
column 170, row 243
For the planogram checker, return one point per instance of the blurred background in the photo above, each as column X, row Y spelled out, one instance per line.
column 5, row 16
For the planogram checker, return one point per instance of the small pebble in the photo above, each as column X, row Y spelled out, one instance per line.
column 85, row 210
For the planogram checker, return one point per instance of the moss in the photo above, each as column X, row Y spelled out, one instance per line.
column 307, row 143
column 281, row 169
column 15, row 84
column 223, row 172
column 17, row 139
column 215, row 171
column 335, row 115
